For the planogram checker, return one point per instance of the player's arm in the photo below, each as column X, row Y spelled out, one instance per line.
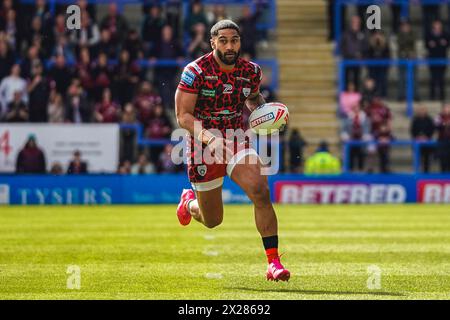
column 184, row 109
column 254, row 100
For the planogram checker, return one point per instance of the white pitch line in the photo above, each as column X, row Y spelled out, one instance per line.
column 214, row 276
column 211, row 253
column 209, row 237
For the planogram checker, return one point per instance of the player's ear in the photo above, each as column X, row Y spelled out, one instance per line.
column 213, row 45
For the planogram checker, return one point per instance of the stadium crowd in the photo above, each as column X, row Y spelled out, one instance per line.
column 365, row 115
column 49, row 74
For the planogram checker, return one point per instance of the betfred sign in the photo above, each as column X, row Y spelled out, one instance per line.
column 338, row 192
column 433, row 191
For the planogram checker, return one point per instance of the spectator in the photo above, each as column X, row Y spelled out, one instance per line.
column 173, row 15
column 159, row 127
column 152, row 27
column 55, row 110
column 142, row 166
column 348, row 99
column 125, row 168
column 59, row 30
column 169, row 48
column 88, row 36
column 102, row 76
column 422, row 130
column 17, row 109
column 356, row 127
column 10, row 85
column 354, row 46
column 437, row 43
column 11, row 31
column 384, row 138
column 196, row 15
column 145, row 102
column 107, row 111
column 443, row 128
column 368, row 93
column 77, row 108
column 126, row 77
column 128, row 136
column 105, row 45
column 38, row 91
column 28, row 63
column 165, row 163
column 430, row 13
column 218, row 12
column 134, row 45
column 77, row 166
column 36, row 31
column 6, row 59
column 61, row 75
column 85, row 73
column 198, row 46
column 248, row 30
column 379, row 114
column 56, row 169
column 64, row 48
column 296, row 145
column 115, row 23
column 406, row 50
column 379, row 49
column 31, row 158
column 322, row 162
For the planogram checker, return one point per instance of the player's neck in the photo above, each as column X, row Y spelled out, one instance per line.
column 223, row 66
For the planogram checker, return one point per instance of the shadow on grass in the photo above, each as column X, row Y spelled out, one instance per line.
column 281, row 290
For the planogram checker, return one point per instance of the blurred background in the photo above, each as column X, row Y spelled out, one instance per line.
column 101, row 99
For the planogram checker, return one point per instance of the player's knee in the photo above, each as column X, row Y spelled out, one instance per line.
column 260, row 194
column 212, row 223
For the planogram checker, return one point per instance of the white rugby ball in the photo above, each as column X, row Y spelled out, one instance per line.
column 268, row 118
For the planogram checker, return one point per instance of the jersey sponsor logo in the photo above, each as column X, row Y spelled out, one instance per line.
column 202, row 169
column 246, row 92
column 262, row 119
column 211, row 78
column 196, row 67
column 219, row 117
column 188, row 77
column 208, row 93
column 227, row 88
column 224, row 112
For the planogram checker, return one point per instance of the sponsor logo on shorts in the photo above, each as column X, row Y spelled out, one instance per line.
column 202, row 169
column 208, row 93
column 262, row 119
column 188, row 77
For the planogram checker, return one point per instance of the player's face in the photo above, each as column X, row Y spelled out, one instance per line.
column 227, row 46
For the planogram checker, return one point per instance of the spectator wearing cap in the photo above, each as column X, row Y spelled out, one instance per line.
column 76, row 165
column 31, row 158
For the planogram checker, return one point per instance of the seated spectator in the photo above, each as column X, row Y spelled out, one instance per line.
column 76, row 165
column 17, row 109
column 55, row 110
column 348, row 99
column 356, row 127
column 64, row 48
column 60, row 74
column 6, row 59
column 152, row 27
column 29, row 62
column 322, row 162
column 88, row 36
column 115, row 23
column 379, row 114
column 107, row 111
column 38, row 91
column 126, row 77
column 10, row 85
column 165, row 77
column 145, row 102
column 196, row 15
column 77, row 109
column 56, row 169
column 165, row 162
column 102, row 75
column 84, row 72
column 379, row 49
column 31, row 158
column 198, row 45
column 142, row 166
column 442, row 123
column 296, row 145
column 422, row 130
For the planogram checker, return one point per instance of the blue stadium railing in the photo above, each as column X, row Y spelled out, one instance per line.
column 415, row 145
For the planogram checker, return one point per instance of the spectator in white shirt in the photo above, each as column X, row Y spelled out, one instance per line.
column 10, row 85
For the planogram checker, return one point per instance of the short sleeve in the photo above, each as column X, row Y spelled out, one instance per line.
column 190, row 81
column 256, row 77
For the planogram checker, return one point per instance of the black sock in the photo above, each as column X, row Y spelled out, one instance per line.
column 270, row 242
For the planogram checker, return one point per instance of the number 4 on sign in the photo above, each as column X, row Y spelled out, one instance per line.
column 5, row 147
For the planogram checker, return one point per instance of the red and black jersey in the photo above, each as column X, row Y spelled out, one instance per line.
column 221, row 93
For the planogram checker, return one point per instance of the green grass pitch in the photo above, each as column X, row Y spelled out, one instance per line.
column 140, row 252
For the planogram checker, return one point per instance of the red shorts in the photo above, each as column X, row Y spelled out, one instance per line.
column 205, row 177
